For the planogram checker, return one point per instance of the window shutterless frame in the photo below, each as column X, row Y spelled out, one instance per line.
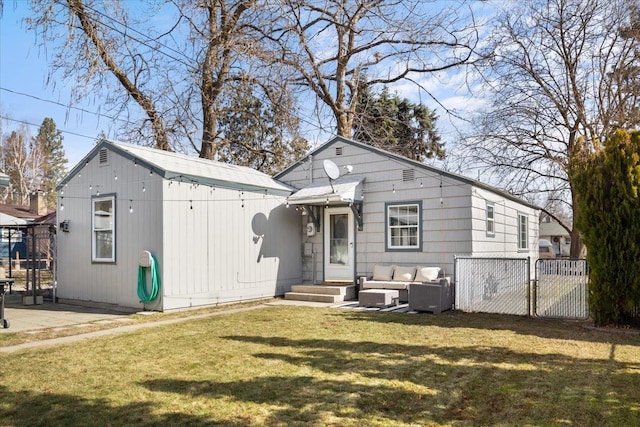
column 403, row 223
column 523, row 232
column 491, row 220
column 103, row 228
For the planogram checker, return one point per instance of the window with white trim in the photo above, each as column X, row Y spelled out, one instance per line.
column 103, row 245
column 491, row 220
column 523, row 232
column 404, row 226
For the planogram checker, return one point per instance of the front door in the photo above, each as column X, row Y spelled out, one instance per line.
column 338, row 244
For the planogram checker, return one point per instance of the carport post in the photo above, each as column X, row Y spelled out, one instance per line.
column 33, row 262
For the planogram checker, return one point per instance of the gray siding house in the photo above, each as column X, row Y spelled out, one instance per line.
column 219, row 233
column 385, row 208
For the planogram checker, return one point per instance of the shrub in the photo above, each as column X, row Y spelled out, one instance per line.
column 606, row 187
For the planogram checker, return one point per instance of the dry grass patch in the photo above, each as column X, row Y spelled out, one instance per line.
column 310, row 366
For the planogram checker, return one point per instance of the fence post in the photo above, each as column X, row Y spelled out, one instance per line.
column 529, row 286
column 455, row 282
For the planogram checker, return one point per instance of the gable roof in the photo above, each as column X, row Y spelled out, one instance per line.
column 409, row 162
column 21, row 213
column 180, row 167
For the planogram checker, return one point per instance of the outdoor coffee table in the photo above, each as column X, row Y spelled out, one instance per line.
column 378, row 298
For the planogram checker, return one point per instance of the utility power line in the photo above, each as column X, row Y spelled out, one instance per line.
column 49, row 101
column 37, row 125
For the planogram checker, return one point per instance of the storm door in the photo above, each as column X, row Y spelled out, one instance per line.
column 338, row 244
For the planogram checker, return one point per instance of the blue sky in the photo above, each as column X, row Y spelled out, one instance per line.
column 26, row 97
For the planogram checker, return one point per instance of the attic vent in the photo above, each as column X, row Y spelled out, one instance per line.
column 338, row 151
column 104, row 159
column 408, row 174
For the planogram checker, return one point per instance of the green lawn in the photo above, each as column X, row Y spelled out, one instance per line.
column 310, row 366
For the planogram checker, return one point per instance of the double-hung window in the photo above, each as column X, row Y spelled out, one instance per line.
column 404, row 226
column 491, row 220
column 523, row 232
column 103, row 240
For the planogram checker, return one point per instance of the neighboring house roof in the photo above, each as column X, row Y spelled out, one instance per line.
column 49, row 219
column 190, row 169
column 552, row 229
column 20, row 212
column 412, row 163
column 6, row 219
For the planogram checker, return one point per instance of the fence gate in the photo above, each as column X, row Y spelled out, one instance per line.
column 562, row 288
column 493, row 285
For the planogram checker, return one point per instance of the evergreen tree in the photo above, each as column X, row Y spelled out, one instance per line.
column 50, row 142
column 394, row 124
column 258, row 134
column 606, row 184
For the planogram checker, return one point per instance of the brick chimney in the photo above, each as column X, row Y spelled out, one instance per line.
column 38, row 205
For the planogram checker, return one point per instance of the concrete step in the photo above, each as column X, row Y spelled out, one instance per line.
column 319, row 289
column 302, row 296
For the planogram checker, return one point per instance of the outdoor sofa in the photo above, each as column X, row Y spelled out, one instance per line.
column 397, row 277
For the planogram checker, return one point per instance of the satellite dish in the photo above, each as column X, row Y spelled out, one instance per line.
column 331, row 169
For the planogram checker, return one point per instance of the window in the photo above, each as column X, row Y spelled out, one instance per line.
column 103, row 226
column 523, row 232
column 491, row 220
column 404, row 226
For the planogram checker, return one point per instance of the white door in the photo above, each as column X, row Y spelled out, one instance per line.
column 338, row 244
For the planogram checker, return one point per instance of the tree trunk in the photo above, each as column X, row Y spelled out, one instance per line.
column 577, row 247
column 576, row 244
column 344, row 124
column 101, row 45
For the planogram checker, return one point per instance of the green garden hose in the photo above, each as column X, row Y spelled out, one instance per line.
column 142, row 282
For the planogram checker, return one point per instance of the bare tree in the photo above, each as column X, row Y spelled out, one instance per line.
column 177, row 60
column 556, row 88
column 336, row 46
column 23, row 160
